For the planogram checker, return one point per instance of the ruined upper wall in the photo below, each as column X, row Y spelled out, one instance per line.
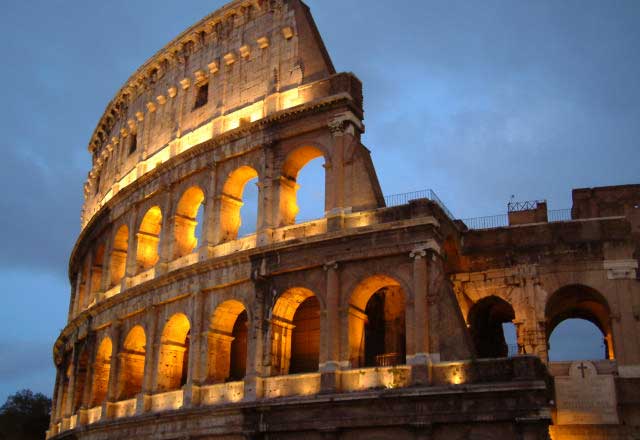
column 246, row 61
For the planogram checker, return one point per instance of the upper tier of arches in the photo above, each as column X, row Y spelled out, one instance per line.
column 221, row 74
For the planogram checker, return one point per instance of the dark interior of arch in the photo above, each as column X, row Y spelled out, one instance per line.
column 305, row 342
column 185, row 359
column 238, row 366
column 485, row 323
column 384, row 332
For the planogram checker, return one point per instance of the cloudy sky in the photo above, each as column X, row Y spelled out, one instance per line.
column 476, row 100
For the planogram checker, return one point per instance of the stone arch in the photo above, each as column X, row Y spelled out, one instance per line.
column 485, row 321
column 227, row 342
column 118, row 261
column 96, row 273
column 173, row 360
column 131, row 371
column 377, row 322
column 578, row 301
column 231, row 201
column 101, row 372
column 80, row 374
column 295, row 332
column 295, row 161
column 149, row 238
column 185, row 221
column 83, row 286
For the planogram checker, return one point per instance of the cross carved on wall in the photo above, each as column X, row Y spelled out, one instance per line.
column 582, row 368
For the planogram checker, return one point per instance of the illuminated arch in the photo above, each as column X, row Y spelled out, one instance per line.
column 580, row 302
column 118, row 263
column 101, row 371
column 174, row 353
column 149, row 238
column 485, row 321
column 294, row 163
column 96, row 273
column 231, row 201
column 185, row 221
column 377, row 323
column 228, row 342
column 132, row 364
column 295, row 332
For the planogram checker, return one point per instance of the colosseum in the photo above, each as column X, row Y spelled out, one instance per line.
column 381, row 320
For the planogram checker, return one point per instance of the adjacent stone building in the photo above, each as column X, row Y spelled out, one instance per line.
column 382, row 319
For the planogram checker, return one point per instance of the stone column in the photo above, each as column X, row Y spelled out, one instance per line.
column 208, row 219
column 331, row 339
column 267, row 200
column 334, row 177
column 256, row 363
column 68, row 404
column 132, row 249
column 88, row 381
column 167, row 233
column 114, row 371
column 420, row 358
column 56, row 413
column 192, row 387
column 151, row 359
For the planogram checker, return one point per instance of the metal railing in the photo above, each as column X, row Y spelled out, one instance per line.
column 488, row 222
column 502, row 220
column 389, row 359
column 404, row 198
column 524, row 206
column 559, row 215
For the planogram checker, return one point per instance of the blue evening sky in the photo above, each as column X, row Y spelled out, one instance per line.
column 476, row 100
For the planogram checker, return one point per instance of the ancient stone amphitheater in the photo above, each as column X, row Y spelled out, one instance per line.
column 382, row 319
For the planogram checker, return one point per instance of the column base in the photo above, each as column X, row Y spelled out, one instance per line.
column 143, row 403
column 253, row 388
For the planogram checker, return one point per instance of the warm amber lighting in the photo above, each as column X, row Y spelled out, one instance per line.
column 131, row 366
column 231, row 201
column 203, row 133
column 173, row 359
column 101, row 368
column 221, row 327
column 118, row 262
column 148, row 239
column 185, row 221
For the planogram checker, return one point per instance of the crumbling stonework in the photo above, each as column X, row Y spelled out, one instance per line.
column 373, row 321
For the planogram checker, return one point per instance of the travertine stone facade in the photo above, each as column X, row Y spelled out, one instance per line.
column 372, row 321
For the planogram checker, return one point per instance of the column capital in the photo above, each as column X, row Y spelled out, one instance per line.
column 421, row 249
column 330, row 265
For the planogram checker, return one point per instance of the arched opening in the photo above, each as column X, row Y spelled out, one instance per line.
column 575, row 340
column 132, row 364
column 174, row 353
column 377, row 324
column 232, row 201
column 101, row 371
column 81, row 378
column 186, row 221
column 118, row 263
column 302, row 194
column 572, row 306
column 486, row 319
column 96, row 273
column 228, row 342
column 81, row 301
column 66, row 380
column 295, row 337
column 149, row 239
